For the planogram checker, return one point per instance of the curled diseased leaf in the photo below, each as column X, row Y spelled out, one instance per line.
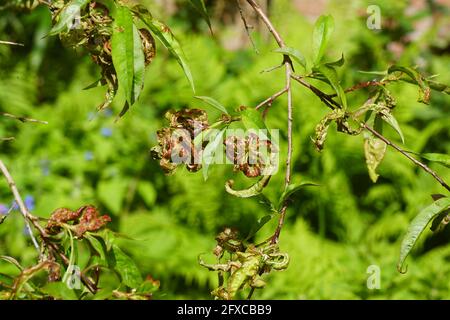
column 417, row 78
column 374, row 150
column 67, row 16
column 254, row 190
column 418, row 225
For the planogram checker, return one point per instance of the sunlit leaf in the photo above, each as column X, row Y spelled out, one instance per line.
column 294, row 54
column 374, row 150
column 331, row 76
column 126, row 267
column 293, row 188
column 390, row 119
column 211, row 149
column 199, row 5
column 254, row 190
column 323, row 29
column 214, row 103
column 440, row 158
column 67, row 15
column 165, row 35
column 417, row 226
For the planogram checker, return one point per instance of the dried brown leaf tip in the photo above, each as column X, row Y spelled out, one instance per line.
column 86, row 218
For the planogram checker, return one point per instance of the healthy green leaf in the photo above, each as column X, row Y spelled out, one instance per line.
column 254, row 190
column 199, row 5
column 210, row 152
column 165, row 35
column 294, row 54
column 440, row 158
column 122, row 44
column 67, row 15
column 330, row 74
column 126, row 268
column 417, row 226
column 252, row 120
column 98, row 245
column 214, row 103
column 323, row 29
column 390, row 119
column 337, row 63
column 261, row 223
column 293, row 188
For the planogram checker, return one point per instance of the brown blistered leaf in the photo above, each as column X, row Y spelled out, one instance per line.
column 86, row 218
column 59, row 217
column 90, row 221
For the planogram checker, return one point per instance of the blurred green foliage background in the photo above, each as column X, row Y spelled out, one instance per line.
column 333, row 233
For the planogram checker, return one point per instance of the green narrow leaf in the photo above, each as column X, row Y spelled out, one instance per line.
column 294, row 54
column 329, row 72
column 337, row 63
column 440, row 158
column 374, row 150
column 122, row 44
column 323, row 29
column 293, row 188
column 424, row 89
column 417, row 226
column 199, row 5
column 254, row 190
column 165, row 35
column 138, row 65
column 390, row 119
column 261, row 223
column 67, row 15
column 98, row 244
column 214, row 103
column 126, row 268
column 210, row 152
column 252, row 120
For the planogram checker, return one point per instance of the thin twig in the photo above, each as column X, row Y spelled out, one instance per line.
column 247, row 27
column 23, row 209
column 271, row 99
column 11, row 43
column 289, row 71
column 22, row 119
column 407, row 155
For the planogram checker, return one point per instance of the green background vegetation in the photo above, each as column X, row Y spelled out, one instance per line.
column 333, row 232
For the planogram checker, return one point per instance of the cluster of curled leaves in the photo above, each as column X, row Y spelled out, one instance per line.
column 120, row 40
column 66, row 237
column 240, row 266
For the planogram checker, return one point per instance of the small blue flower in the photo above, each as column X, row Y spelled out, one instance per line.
column 108, row 112
column 29, row 202
column 3, row 209
column 88, row 156
column 106, row 132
